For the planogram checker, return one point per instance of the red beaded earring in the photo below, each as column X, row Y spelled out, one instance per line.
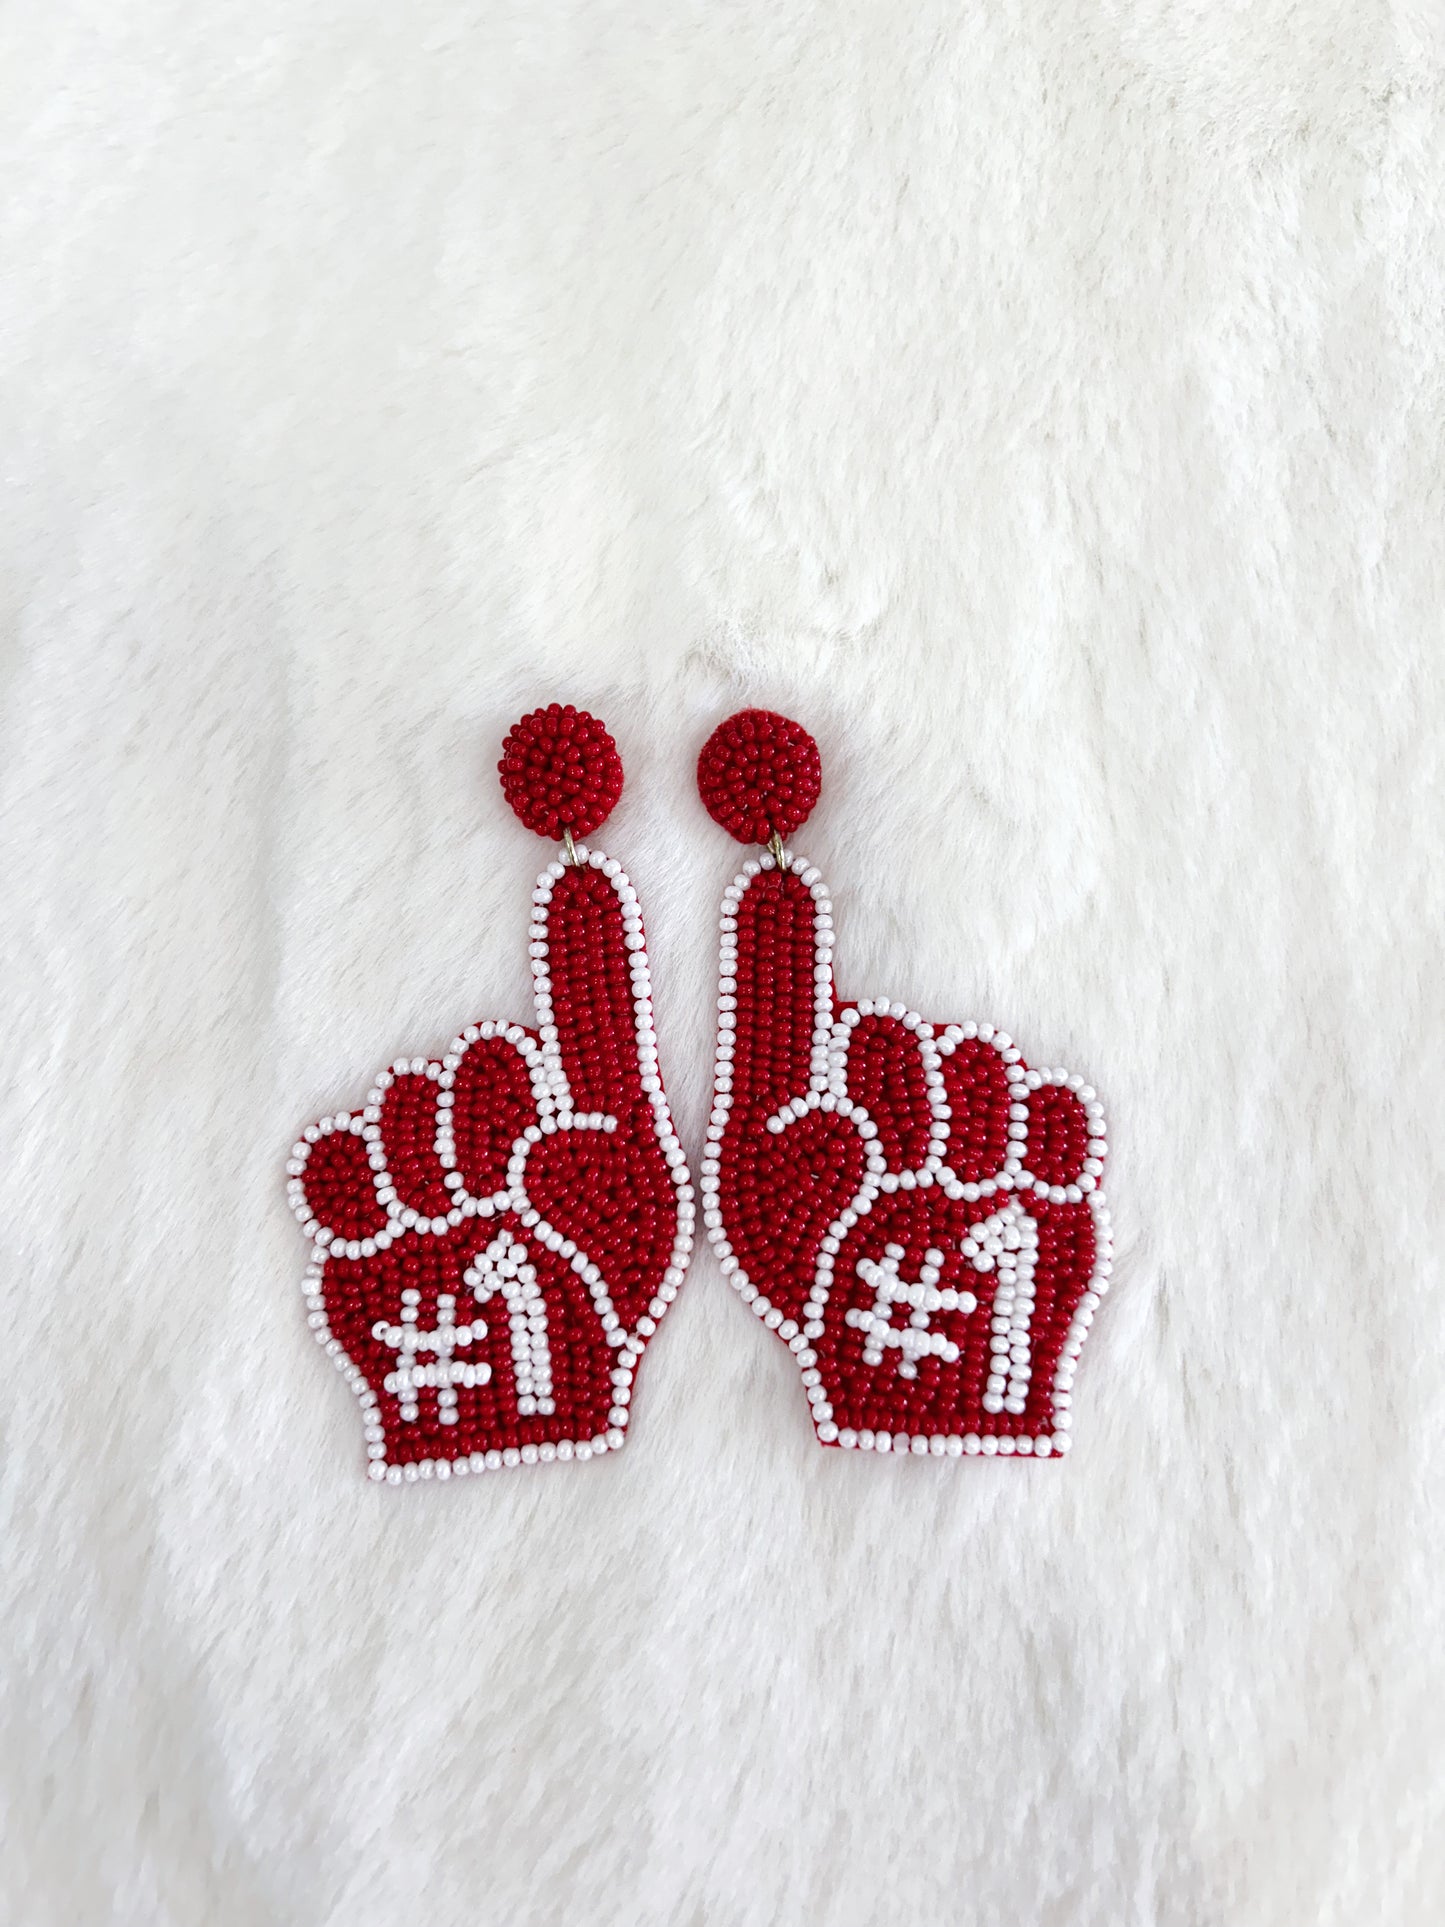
column 496, row 1233
column 914, row 1211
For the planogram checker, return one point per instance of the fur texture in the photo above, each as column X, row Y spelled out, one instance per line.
column 1043, row 402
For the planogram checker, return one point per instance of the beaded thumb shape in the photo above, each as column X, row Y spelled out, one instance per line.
column 914, row 1211
column 497, row 1232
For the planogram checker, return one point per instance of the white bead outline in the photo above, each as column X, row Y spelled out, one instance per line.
column 827, row 1091
column 553, row 1099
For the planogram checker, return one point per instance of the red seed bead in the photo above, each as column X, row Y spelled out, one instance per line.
column 560, row 771
column 759, row 775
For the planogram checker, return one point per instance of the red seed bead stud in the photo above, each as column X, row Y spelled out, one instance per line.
column 560, row 771
column 759, row 775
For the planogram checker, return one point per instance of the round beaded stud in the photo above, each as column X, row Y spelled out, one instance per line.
column 560, row 771
column 912, row 1209
column 759, row 775
column 497, row 1232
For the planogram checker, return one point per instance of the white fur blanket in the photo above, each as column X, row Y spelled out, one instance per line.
column 1042, row 402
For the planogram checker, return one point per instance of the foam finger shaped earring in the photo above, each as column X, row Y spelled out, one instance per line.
column 912, row 1209
column 497, row 1231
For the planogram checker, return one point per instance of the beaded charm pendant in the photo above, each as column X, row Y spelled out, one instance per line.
column 914, row 1211
column 497, row 1232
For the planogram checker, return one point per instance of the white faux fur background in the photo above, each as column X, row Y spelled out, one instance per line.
column 1042, row 401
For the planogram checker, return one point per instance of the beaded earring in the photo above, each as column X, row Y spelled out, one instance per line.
column 914, row 1211
column 497, row 1233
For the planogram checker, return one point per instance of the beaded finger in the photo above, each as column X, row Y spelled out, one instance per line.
column 914, row 1211
column 496, row 1233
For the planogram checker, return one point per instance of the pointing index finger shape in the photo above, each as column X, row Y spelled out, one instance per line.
column 593, row 996
column 777, row 988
